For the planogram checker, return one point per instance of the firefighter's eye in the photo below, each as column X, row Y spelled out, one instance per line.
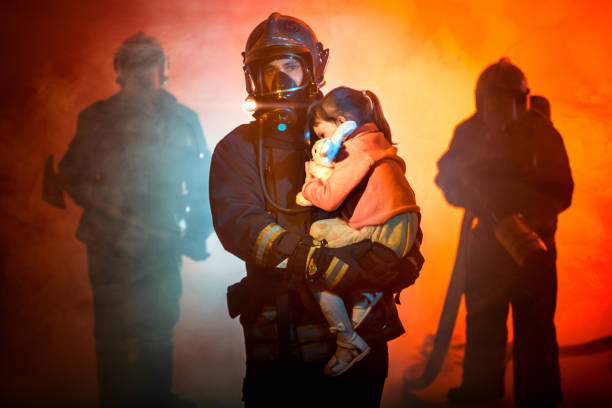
column 269, row 71
column 292, row 66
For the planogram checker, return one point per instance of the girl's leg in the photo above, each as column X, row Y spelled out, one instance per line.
column 337, row 232
column 362, row 305
column 334, row 311
column 351, row 347
column 397, row 234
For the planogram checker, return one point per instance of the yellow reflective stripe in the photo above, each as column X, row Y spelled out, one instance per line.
column 275, row 235
column 264, row 241
column 335, row 272
column 260, row 238
column 330, row 268
column 339, row 276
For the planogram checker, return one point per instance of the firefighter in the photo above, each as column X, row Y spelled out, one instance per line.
column 256, row 172
column 507, row 166
column 138, row 166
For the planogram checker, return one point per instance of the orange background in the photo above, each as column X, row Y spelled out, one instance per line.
column 421, row 58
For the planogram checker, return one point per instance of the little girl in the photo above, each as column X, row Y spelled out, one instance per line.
column 367, row 183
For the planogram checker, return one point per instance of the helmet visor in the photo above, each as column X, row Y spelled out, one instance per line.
column 283, row 74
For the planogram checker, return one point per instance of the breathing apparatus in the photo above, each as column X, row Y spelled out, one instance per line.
column 275, row 98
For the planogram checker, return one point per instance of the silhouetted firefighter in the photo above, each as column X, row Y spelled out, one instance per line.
column 138, row 166
column 508, row 168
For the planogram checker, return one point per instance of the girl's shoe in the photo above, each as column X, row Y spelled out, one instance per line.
column 351, row 349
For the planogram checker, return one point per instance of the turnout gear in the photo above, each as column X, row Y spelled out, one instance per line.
column 281, row 321
column 256, row 172
column 137, row 168
column 499, row 173
column 137, row 173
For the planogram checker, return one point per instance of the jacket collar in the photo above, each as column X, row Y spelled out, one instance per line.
column 368, row 127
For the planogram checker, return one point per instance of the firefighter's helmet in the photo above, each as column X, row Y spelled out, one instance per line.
column 501, row 77
column 282, row 36
column 140, row 50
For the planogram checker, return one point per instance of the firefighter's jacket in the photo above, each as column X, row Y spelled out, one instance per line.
column 264, row 237
column 138, row 167
column 524, row 170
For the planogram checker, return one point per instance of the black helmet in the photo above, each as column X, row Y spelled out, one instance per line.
column 501, row 77
column 284, row 36
column 140, row 50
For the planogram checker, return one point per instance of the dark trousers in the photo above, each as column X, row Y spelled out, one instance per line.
column 136, row 306
column 493, row 282
column 273, row 384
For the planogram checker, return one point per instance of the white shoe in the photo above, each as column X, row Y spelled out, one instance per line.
column 363, row 305
column 350, row 350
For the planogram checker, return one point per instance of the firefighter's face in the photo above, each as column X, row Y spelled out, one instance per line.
column 273, row 70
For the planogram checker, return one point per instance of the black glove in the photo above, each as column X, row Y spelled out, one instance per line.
column 247, row 297
column 334, row 269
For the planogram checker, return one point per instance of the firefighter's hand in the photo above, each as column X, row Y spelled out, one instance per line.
column 332, row 268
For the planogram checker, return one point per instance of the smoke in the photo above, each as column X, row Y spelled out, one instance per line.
column 421, row 59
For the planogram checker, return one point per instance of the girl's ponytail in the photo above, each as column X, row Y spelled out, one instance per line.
column 378, row 117
column 360, row 106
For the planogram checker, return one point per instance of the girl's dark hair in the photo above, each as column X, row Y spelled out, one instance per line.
column 359, row 106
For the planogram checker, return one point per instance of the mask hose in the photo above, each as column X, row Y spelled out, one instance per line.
column 261, row 174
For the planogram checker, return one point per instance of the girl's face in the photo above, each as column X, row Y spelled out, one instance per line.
column 325, row 128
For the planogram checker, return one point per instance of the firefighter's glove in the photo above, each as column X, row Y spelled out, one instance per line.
column 379, row 265
column 332, row 268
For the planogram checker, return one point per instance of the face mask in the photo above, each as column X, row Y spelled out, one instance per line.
column 286, row 92
column 284, row 114
column 282, row 82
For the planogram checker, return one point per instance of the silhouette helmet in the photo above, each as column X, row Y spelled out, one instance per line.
column 501, row 77
column 140, row 50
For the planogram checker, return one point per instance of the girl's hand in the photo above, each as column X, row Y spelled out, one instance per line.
column 300, row 200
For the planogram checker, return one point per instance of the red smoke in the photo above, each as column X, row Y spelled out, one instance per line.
column 421, row 58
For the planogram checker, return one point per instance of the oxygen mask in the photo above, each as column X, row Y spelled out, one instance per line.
column 280, row 104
